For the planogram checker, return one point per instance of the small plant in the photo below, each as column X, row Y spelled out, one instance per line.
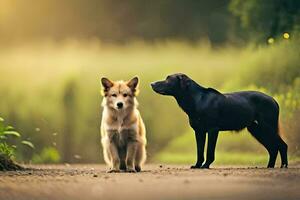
column 47, row 155
column 7, row 150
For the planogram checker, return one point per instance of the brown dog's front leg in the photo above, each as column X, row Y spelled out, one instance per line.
column 114, row 157
column 131, row 152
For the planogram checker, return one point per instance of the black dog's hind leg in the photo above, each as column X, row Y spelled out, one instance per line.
column 200, row 140
column 283, row 152
column 267, row 139
column 210, row 154
column 273, row 151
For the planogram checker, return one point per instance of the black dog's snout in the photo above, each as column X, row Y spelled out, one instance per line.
column 158, row 87
column 120, row 105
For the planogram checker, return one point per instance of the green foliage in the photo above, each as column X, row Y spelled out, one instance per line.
column 50, row 119
column 13, row 133
column 7, row 150
column 27, row 143
column 115, row 20
column 262, row 19
column 47, row 155
column 275, row 67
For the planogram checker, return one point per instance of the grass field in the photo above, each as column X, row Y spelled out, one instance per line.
column 232, row 149
column 44, row 83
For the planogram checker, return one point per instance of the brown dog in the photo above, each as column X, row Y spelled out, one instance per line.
column 123, row 134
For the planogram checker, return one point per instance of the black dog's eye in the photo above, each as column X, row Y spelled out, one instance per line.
column 114, row 95
column 125, row 95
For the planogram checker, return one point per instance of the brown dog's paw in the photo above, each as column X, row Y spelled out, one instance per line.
column 113, row 171
column 131, row 171
column 138, row 168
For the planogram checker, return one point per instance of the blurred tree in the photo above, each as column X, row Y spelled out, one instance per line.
column 70, row 113
column 262, row 19
column 115, row 20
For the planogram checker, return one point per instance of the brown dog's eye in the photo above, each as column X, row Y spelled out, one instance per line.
column 114, row 95
column 125, row 95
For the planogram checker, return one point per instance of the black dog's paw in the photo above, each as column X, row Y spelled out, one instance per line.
column 205, row 166
column 284, row 166
column 196, row 166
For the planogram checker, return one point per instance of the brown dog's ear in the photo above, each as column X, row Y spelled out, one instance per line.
column 106, row 83
column 133, row 85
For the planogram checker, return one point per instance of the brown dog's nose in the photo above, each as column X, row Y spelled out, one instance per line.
column 120, row 105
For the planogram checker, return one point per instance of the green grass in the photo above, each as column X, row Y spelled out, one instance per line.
column 222, row 158
column 35, row 77
column 232, row 149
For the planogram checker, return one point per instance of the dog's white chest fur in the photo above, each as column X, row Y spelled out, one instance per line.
column 119, row 123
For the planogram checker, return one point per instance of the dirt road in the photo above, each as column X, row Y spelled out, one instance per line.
column 88, row 182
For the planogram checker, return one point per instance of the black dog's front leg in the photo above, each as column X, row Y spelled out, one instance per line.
column 200, row 139
column 210, row 154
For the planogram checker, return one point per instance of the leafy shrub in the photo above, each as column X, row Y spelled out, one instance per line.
column 47, row 155
column 6, row 149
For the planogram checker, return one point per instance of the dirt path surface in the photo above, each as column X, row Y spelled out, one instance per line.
column 88, row 182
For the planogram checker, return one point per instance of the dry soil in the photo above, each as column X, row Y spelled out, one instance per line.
column 88, row 182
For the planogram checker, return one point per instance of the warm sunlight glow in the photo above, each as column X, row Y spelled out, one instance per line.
column 286, row 36
column 271, row 40
column 6, row 8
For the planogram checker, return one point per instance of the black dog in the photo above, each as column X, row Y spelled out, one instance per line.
column 210, row 111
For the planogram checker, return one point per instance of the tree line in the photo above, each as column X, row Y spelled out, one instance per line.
column 118, row 21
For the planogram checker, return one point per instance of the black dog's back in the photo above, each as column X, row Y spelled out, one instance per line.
column 231, row 111
column 242, row 108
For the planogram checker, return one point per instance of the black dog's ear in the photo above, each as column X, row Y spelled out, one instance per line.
column 106, row 83
column 184, row 81
column 133, row 85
